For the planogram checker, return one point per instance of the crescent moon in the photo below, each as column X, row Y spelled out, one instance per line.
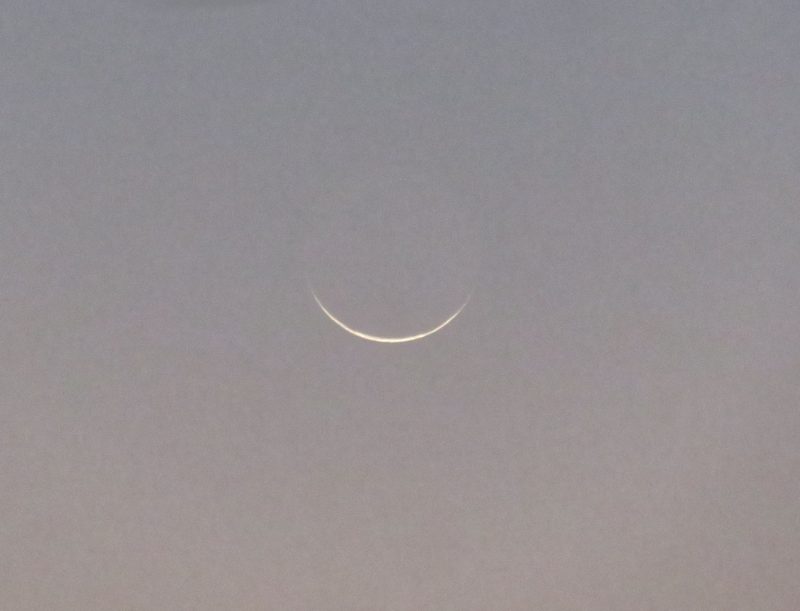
column 389, row 340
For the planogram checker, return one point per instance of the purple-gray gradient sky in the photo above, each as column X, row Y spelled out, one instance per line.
column 613, row 422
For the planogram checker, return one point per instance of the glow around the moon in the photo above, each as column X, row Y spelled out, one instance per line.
column 388, row 340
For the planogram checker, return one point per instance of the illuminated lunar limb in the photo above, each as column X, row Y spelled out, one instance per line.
column 388, row 340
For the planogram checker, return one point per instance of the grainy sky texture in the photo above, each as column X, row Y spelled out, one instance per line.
column 613, row 422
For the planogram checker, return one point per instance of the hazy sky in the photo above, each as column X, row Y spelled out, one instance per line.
column 611, row 424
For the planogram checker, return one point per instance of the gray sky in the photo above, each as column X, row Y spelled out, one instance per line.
column 612, row 423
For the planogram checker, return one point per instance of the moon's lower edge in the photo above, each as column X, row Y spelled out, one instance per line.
column 383, row 339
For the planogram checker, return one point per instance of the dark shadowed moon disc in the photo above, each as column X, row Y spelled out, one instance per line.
column 392, row 252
